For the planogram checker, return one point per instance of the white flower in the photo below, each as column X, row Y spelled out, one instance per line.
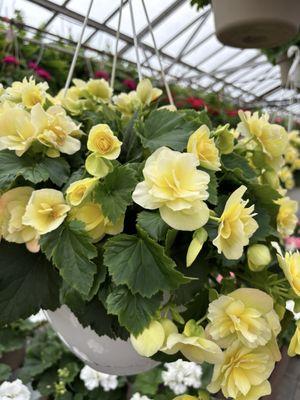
column 138, row 396
column 181, row 375
column 93, row 379
column 14, row 390
column 290, row 306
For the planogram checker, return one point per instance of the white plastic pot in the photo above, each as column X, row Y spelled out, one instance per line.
column 285, row 64
column 256, row 23
column 115, row 357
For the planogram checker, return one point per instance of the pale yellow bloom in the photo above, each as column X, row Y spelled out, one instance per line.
column 12, row 208
column 287, row 216
column 96, row 224
column 55, row 129
column 294, row 346
column 28, row 92
column 199, row 238
column 102, row 141
column 99, row 88
column 185, row 397
column 127, row 103
column 290, row 264
column 291, row 154
column 146, row 93
column 236, row 226
column 273, row 138
column 294, row 137
column 16, row 129
column 193, row 344
column 243, row 373
column 46, row 210
column 204, row 148
column 98, row 166
column 169, row 107
column 72, row 100
column 258, row 256
column 285, row 174
column 150, row 340
column 79, row 190
column 174, row 186
column 246, row 315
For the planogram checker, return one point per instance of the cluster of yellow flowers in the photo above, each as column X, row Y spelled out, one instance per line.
column 292, row 160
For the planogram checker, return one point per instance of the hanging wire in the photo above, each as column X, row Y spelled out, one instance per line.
column 76, row 54
column 138, row 63
column 41, row 53
column 114, row 66
column 163, row 76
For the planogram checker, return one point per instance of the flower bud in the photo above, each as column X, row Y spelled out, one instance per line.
column 97, row 165
column 199, row 238
column 224, row 139
column 185, row 397
column 271, row 178
column 203, row 395
column 259, row 257
column 150, row 340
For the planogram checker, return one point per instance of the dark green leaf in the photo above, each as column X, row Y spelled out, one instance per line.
column 238, row 166
column 152, row 223
column 11, row 339
column 71, row 250
column 141, row 264
column 148, row 382
column 197, row 118
column 134, row 311
column 212, row 188
column 114, row 193
column 57, row 168
column 165, row 128
column 28, row 282
column 5, row 372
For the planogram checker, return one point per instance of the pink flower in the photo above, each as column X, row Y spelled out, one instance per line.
column 220, row 277
column 292, row 243
column 196, row 102
column 278, row 120
column 32, row 65
column 102, row 74
column 130, row 84
column 11, row 60
column 42, row 73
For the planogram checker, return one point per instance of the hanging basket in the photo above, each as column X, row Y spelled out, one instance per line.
column 285, row 64
column 256, row 23
column 115, row 357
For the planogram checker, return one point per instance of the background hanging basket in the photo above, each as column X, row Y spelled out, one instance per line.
column 256, row 23
column 285, row 64
column 115, row 357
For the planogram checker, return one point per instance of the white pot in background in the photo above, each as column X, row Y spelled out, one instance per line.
column 115, row 357
column 285, row 64
column 256, row 23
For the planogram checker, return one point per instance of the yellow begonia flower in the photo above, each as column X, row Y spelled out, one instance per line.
column 185, row 397
column 96, row 224
column 12, row 208
column 193, row 344
column 102, row 141
column 290, row 264
column 243, row 373
column 28, row 92
column 71, row 100
column 99, row 88
column 150, row 340
column 55, row 129
column 258, row 257
column 146, row 93
column 236, row 226
column 16, row 129
column 287, row 216
column 291, row 154
column 294, row 346
column 199, row 238
column 79, row 190
column 273, row 138
column 46, row 210
column 127, row 103
column 246, row 315
column 204, row 148
column 174, row 186
column 294, row 137
column 98, row 166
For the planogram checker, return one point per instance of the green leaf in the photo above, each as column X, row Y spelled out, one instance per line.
column 148, row 382
column 238, row 166
column 212, row 188
column 28, row 282
column 134, row 311
column 5, row 372
column 12, row 166
column 114, row 193
column 11, row 339
column 141, row 264
column 71, row 251
column 264, row 196
column 165, row 128
column 153, row 224
column 198, row 118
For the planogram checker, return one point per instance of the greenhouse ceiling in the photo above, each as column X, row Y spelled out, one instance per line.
column 190, row 51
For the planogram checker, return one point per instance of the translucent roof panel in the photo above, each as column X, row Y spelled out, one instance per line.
column 190, row 52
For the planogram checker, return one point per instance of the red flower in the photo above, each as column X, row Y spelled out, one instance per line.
column 212, row 110
column 232, row 113
column 130, row 84
column 196, row 102
column 102, row 74
column 42, row 73
column 278, row 120
column 11, row 60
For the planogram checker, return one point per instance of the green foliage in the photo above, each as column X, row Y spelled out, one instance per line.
column 141, row 264
column 28, row 282
column 114, row 193
column 71, row 251
column 148, row 382
column 152, row 223
column 5, row 372
column 238, row 166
